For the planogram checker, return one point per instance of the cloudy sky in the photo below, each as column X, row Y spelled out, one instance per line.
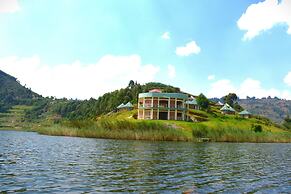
column 82, row 49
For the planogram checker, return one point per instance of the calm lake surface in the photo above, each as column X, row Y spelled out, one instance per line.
column 33, row 163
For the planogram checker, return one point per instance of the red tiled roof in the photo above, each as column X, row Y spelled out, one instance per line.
column 155, row 91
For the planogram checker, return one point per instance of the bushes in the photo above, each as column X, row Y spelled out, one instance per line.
column 257, row 128
column 202, row 101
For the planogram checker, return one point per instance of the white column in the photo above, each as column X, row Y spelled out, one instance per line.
column 176, row 108
column 143, row 108
column 152, row 110
column 158, row 111
column 169, row 104
column 183, row 114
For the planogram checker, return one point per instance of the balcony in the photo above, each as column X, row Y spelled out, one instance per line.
column 162, row 106
column 147, row 105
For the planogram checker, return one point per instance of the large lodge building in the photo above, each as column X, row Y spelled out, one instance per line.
column 156, row 105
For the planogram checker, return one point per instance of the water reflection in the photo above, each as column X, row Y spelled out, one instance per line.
column 34, row 163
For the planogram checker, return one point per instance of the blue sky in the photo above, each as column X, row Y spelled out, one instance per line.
column 82, row 49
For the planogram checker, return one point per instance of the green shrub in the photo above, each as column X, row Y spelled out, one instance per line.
column 257, row 128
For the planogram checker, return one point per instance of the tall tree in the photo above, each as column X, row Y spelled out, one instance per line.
column 131, row 84
column 232, row 99
column 202, row 101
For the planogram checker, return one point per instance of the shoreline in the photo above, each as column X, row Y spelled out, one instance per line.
column 157, row 131
column 34, row 131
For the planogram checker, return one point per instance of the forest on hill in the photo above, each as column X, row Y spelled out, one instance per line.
column 90, row 109
column 13, row 93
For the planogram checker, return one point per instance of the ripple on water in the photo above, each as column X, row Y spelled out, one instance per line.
column 33, row 163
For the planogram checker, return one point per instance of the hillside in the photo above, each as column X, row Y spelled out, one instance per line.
column 13, row 93
column 272, row 108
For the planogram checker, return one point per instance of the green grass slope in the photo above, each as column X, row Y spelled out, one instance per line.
column 15, row 118
column 208, row 126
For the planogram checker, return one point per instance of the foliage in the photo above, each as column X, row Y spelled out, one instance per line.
column 257, row 128
column 232, row 100
column 287, row 122
column 202, row 101
column 13, row 93
column 90, row 109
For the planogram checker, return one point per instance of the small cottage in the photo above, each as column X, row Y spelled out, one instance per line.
column 227, row 109
column 245, row 114
column 127, row 106
column 120, row 106
column 191, row 103
column 219, row 104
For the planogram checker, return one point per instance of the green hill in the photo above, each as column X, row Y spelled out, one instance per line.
column 13, row 93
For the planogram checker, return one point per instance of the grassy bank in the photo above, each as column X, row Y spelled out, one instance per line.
column 117, row 129
column 233, row 133
column 212, row 127
column 164, row 131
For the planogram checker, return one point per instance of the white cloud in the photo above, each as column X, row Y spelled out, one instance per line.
column 211, row 77
column 287, row 79
column 188, row 49
column 264, row 16
column 9, row 6
column 220, row 88
column 79, row 80
column 171, row 71
column 166, row 36
column 249, row 87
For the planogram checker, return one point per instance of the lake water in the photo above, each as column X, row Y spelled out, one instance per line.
column 35, row 163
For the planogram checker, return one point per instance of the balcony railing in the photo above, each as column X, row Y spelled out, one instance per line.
column 161, row 106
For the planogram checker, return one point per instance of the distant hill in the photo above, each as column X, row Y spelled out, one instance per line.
column 13, row 93
column 273, row 108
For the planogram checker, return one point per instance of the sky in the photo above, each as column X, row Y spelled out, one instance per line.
column 81, row 49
